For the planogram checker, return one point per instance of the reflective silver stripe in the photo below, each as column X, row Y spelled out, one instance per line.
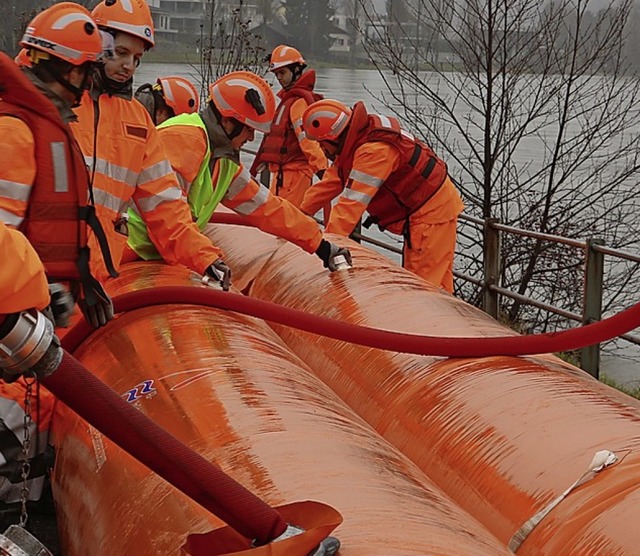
column 367, row 179
column 238, row 184
column 113, row 171
column 133, row 208
column 10, row 219
column 154, row 172
column 259, row 199
column 297, row 126
column 108, row 200
column 13, row 417
column 13, row 421
column 407, row 135
column 279, row 115
column 14, row 190
column 384, row 121
column 60, row 174
column 357, row 196
column 150, row 203
column 184, row 184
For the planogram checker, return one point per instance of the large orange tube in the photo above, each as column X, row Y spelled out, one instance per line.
column 227, row 386
column 503, row 436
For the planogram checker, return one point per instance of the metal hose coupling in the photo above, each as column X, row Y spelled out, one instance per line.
column 328, row 547
column 28, row 344
column 16, row 541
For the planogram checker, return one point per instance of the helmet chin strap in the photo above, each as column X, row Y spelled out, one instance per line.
column 113, row 87
column 296, row 72
column 76, row 91
column 237, row 128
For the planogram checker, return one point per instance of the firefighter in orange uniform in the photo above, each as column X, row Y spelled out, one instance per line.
column 204, row 150
column 168, row 97
column 291, row 158
column 44, row 189
column 44, row 185
column 126, row 160
column 396, row 178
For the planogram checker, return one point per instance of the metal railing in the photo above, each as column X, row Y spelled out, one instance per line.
column 594, row 253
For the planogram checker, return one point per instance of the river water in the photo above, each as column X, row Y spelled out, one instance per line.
column 350, row 86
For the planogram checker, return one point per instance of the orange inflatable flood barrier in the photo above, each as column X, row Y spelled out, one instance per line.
column 510, row 439
column 229, row 388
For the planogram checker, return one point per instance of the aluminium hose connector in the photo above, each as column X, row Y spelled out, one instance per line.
column 16, row 541
column 29, row 344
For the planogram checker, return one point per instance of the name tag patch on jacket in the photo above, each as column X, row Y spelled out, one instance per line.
column 135, row 131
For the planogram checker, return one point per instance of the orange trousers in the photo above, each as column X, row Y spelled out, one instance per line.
column 295, row 183
column 433, row 231
column 431, row 253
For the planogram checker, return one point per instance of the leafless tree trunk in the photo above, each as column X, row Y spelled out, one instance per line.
column 533, row 109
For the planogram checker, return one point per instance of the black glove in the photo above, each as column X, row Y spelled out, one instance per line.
column 96, row 305
column 221, row 273
column 328, row 252
column 61, row 305
column 320, row 173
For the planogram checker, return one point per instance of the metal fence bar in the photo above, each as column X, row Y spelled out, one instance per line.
column 540, row 235
column 592, row 304
column 616, row 253
column 594, row 272
column 529, row 301
column 491, row 263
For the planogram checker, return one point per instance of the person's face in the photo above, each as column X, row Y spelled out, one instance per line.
column 247, row 134
column 163, row 114
column 127, row 53
column 77, row 75
column 284, row 76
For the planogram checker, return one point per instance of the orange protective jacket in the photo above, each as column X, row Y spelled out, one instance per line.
column 44, row 185
column 393, row 197
column 186, row 147
column 130, row 165
column 23, row 284
column 381, row 169
column 286, row 143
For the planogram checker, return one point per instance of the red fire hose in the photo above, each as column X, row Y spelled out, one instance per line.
column 175, row 462
column 566, row 340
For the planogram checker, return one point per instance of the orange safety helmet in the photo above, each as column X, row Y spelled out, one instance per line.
column 22, row 60
column 66, row 31
column 284, row 55
column 246, row 97
column 129, row 16
column 325, row 120
column 180, row 94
